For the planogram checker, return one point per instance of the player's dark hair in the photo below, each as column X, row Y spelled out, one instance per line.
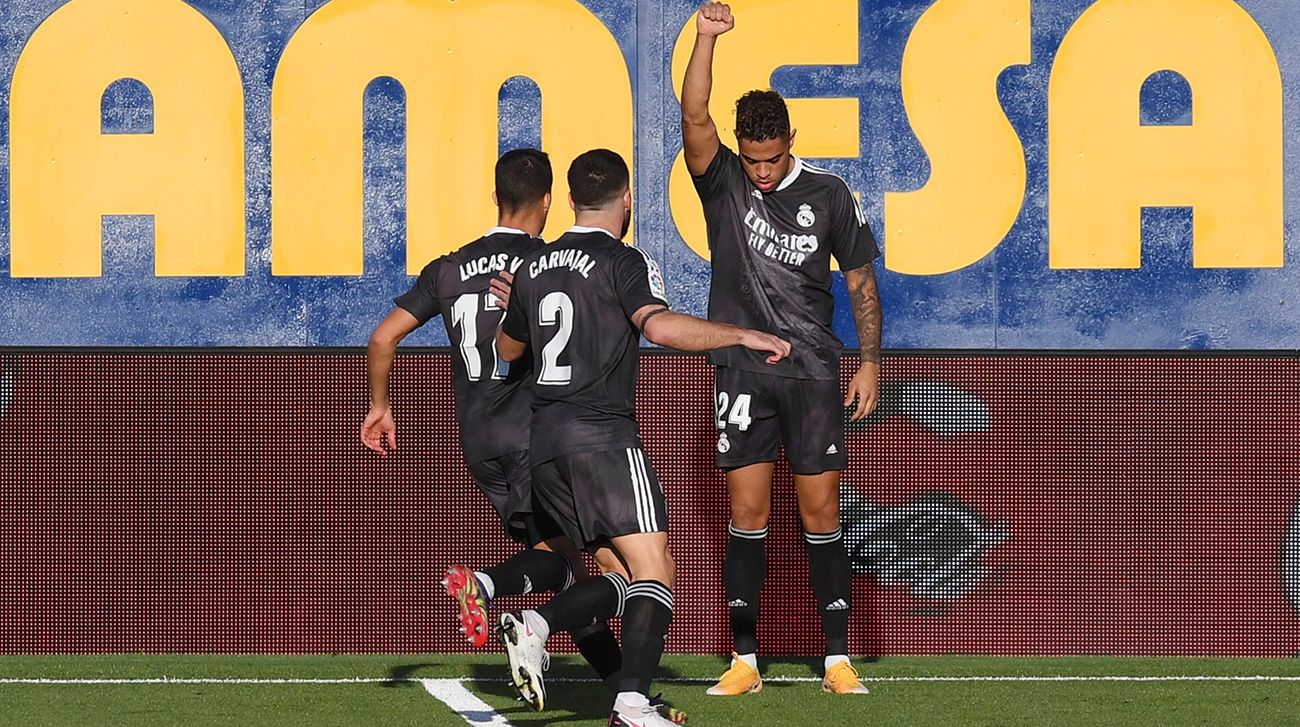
column 523, row 177
column 597, row 178
column 762, row 115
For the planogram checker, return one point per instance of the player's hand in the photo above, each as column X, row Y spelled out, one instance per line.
column 714, row 19
column 865, row 387
column 767, row 343
column 379, row 429
column 500, row 287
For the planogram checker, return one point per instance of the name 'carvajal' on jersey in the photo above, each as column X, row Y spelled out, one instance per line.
column 575, row 260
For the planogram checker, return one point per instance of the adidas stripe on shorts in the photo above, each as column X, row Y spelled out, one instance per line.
column 599, row 495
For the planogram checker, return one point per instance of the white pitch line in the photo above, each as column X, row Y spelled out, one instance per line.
column 677, row 680
column 204, row 680
column 462, row 701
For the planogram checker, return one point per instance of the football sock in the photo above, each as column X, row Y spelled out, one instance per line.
column 743, row 573
column 486, row 584
column 586, row 602
column 833, row 660
column 828, row 564
column 646, row 616
column 531, row 571
column 598, row 646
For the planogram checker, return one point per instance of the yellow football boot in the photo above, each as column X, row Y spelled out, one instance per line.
column 741, row 678
column 842, row 678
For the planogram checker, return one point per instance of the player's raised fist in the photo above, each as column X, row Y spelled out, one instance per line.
column 714, row 19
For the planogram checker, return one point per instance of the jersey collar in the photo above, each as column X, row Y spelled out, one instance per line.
column 795, row 169
column 499, row 229
column 580, row 230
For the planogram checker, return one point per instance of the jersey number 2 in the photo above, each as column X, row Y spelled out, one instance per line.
column 556, row 309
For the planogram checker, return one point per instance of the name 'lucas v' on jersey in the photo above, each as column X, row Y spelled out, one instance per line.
column 573, row 304
column 771, row 260
column 492, row 397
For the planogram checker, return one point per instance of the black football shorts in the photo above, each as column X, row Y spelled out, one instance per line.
column 600, row 495
column 756, row 413
column 507, row 484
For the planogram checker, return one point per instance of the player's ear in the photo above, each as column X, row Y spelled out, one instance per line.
column 790, row 143
column 546, row 202
column 627, row 198
column 572, row 206
column 495, row 201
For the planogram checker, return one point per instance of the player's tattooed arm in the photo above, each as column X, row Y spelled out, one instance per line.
column 699, row 134
column 864, row 296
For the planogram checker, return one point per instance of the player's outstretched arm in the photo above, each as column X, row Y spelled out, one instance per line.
column 687, row 333
column 864, row 296
column 699, row 133
column 379, row 426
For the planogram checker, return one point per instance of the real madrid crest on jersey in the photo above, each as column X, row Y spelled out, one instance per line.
column 806, row 216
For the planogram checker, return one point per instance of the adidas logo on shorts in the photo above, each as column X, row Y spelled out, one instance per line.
column 832, row 450
column 838, row 604
column 738, row 603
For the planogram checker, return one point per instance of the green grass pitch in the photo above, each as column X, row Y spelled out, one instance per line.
column 387, row 690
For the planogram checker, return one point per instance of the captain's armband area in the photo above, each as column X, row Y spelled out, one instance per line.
column 640, row 324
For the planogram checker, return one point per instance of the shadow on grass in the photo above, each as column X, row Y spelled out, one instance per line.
column 566, row 701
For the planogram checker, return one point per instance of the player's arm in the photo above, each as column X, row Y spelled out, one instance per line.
column 699, row 134
column 864, row 297
column 379, row 424
column 514, row 326
column 663, row 327
column 508, row 348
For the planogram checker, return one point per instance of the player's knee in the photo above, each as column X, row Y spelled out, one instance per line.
column 668, row 568
column 610, row 563
column 820, row 519
column 750, row 515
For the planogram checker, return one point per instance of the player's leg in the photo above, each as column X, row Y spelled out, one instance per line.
column 577, row 607
column 748, row 445
column 525, row 647
column 619, row 501
column 813, row 429
column 584, row 610
column 506, row 483
column 646, row 618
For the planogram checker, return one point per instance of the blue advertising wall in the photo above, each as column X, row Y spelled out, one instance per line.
column 1011, row 298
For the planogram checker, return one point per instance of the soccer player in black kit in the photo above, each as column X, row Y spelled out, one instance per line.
column 774, row 221
column 493, row 400
column 583, row 304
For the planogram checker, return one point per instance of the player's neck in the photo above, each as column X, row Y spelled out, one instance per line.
column 609, row 221
column 529, row 220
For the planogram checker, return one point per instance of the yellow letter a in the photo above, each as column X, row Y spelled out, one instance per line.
column 66, row 175
column 1105, row 166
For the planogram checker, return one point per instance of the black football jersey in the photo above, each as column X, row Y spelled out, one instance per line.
column 492, row 397
column 771, row 260
column 572, row 303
